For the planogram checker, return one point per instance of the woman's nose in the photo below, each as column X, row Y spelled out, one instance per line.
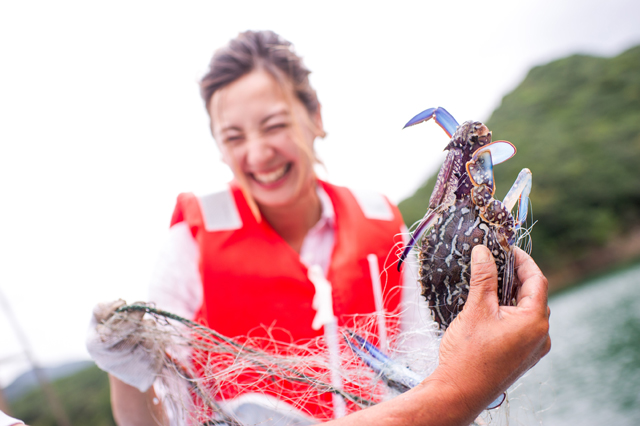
column 259, row 151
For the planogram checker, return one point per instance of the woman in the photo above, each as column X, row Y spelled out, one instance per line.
column 257, row 254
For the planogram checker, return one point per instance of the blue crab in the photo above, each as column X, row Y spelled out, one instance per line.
column 463, row 213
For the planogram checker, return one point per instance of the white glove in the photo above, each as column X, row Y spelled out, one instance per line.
column 124, row 345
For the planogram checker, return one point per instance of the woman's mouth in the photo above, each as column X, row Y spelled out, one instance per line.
column 273, row 176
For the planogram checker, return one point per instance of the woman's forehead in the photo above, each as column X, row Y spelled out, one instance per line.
column 255, row 97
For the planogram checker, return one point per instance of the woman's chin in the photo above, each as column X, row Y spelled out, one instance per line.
column 276, row 194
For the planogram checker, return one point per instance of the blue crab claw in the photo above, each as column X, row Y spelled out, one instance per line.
column 442, row 116
column 395, row 375
column 480, row 169
column 424, row 225
column 520, row 191
column 501, row 151
column 498, row 402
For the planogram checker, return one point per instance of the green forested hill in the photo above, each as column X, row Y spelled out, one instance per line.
column 84, row 397
column 576, row 125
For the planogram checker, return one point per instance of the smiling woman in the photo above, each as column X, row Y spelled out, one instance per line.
column 281, row 257
column 265, row 117
column 260, row 136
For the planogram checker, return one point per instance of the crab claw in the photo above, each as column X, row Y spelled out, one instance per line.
column 498, row 401
column 442, row 116
column 501, row 151
column 395, row 375
column 480, row 169
column 520, row 191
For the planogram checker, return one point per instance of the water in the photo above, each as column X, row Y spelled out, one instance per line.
column 592, row 374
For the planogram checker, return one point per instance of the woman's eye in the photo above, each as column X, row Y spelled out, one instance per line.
column 233, row 139
column 276, row 127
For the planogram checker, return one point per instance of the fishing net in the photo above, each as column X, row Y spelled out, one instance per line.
column 203, row 372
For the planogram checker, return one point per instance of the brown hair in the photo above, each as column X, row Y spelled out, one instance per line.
column 265, row 50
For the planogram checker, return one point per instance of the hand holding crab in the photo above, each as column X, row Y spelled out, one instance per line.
column 463, row 214
column 513, row 338
column 484, row 351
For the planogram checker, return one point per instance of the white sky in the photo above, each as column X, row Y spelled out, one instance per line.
column 101, row 124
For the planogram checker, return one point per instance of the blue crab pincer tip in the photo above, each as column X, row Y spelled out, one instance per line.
column 498, row 402
column 423, row 116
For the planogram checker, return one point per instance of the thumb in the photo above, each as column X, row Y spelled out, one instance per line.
column 484, row 277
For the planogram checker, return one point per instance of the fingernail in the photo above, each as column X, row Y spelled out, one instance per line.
column 480, row 254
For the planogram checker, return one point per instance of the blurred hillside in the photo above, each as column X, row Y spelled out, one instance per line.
column 84, row 396
column 576, row 125
column 28, row 381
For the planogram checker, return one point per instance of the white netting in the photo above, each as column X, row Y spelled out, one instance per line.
column 204, row 372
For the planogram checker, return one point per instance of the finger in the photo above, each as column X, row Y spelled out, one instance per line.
column 535, row 286
column 525, row 265
column 484, row 277
column 103, row 311
column 533, row 293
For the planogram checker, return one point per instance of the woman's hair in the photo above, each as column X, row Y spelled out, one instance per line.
column 259, row 50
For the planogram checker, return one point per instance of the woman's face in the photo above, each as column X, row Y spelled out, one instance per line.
column 256, row 130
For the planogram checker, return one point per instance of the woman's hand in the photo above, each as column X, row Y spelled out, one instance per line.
column 487, row 347
column 125, row 345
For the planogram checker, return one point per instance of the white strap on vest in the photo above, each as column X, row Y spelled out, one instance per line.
column 322, row 300
column 219, row 211
column 323, row 304
column 374, row 269
column 373, row 204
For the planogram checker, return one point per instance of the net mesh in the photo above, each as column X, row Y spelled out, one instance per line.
column 203, row 371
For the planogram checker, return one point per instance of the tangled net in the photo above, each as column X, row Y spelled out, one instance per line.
column 203, row 371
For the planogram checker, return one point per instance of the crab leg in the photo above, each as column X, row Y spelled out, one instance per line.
column 442, row 117
column 426, row 223
column 520, row 189
column 442, row 193
column 395, row 375
column 444, row 180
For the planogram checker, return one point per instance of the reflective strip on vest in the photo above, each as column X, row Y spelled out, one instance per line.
column 219, row 211
column 373, row 204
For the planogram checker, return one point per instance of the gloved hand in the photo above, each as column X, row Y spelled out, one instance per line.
column 125, row 345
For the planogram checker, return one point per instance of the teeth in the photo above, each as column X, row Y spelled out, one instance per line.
column 271, row 176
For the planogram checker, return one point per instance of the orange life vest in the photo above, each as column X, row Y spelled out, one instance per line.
column 254, row 283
